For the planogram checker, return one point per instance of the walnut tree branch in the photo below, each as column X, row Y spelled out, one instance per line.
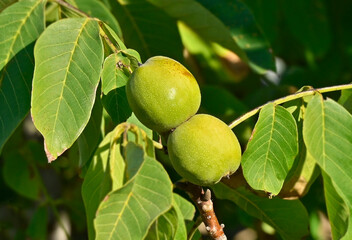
column 204, row 205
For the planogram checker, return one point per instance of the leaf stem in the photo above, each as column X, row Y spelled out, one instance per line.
column 106, row 38
column 101, row 29
column 71, row 7
column 287, row 99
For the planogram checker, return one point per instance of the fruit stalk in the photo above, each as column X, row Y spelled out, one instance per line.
column 204, row 205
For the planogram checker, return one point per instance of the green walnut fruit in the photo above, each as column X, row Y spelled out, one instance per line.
column 204, row 149
column 163, row 94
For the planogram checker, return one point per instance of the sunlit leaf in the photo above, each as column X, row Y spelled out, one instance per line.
column 304, row 170
column 164, row 227
column 241, row 23
column 271, row 151
column 114, row 78
column 128, row 212
column 20, row 24
column 187, row 208
column 15, row 92
column 278, row 213
column 327, row 132
column 105, row 173
column 68, row 57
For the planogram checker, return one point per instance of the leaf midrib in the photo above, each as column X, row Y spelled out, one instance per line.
column 65, row 79
column 270, row 140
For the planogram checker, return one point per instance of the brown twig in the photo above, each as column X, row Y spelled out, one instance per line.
column 204, row 205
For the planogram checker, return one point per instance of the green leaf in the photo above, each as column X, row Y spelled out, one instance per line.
column 134, row 120
column 128, row 212
column 20, row 24
column 278, row 213
column 164, row 227
column 346, row 99
column 5, row 3
column 240, row 22
column 183, row 212
column 15, row 92
column 147, row 29
column 20, row 176
column 221, row 103
column 271, row 151
column 37, row 228
column 105, row 173
column 114, row 79
column 338, row 211
column 187, row 208
column 97, row 9
column 327, row 132
column 68, row 56
column 304, row 170
column 91, row 135
column 308, row 23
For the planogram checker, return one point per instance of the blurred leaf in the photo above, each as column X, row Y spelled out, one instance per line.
column 20, row 176
column 37, row 229
column 97, row 9
column 20, row 24
column 346, row 99
column 327, row 132
column 202, row 21
column 147, row 29
column 91, row 135
column 241, row 23
column 271, row 151
column 308, row 23
column 164, row 227
column 304, row 170
column 114, row 79
column 338, row 211
column 5, row 3
column 129, row 211
column 220, row 103
column 186, row 208
column 105, row 173
column 278, row 213
column 15, row 92
column 68, row 57
column 267, row 16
